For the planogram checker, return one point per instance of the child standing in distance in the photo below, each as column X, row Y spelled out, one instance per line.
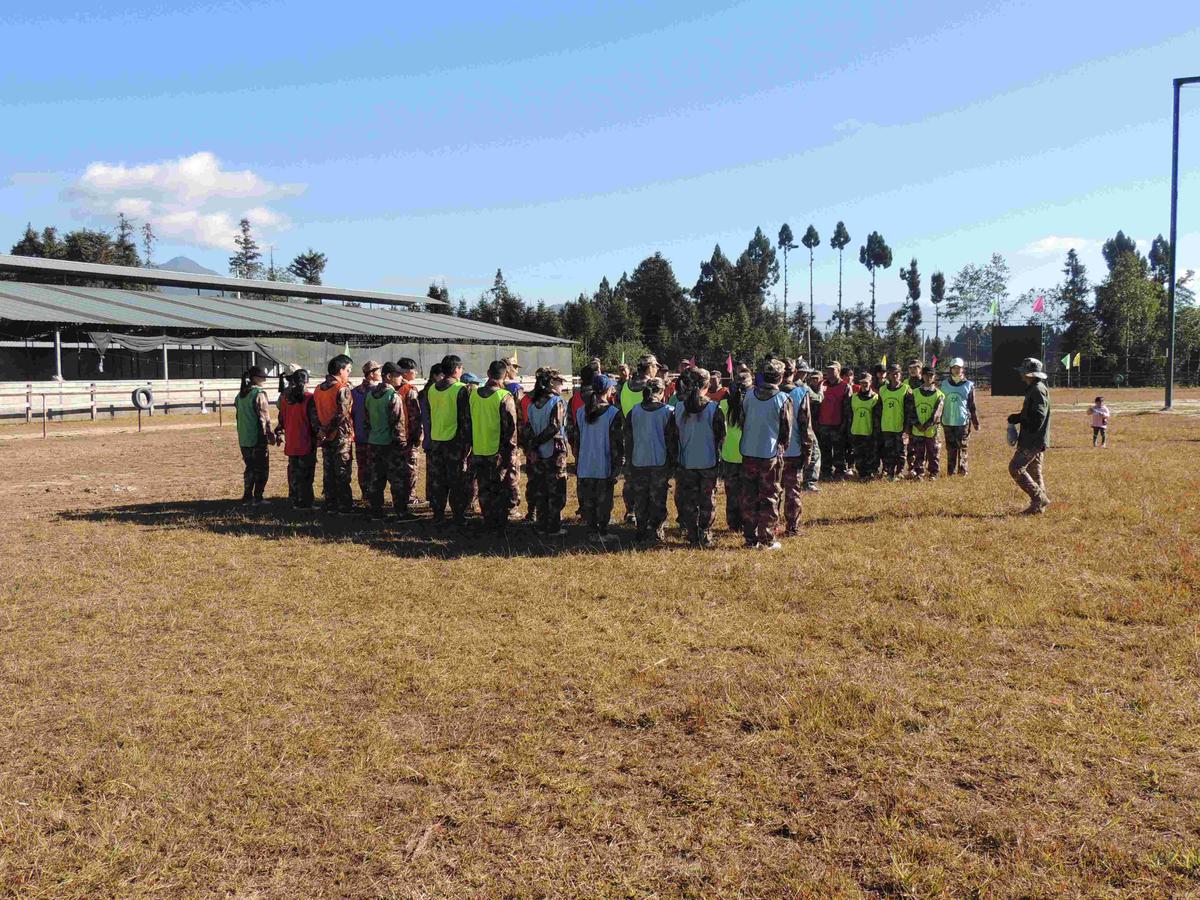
column 928, row 402
column 601, row 455
column 766, row 434
column 387, row 434
column 651, row 445
column 298, row 429
column 1100, row 415
column 545, row 439
column 254, row 434
column 701, row 427
column 896, row 413
column 731, row 450
column 864, row 417
column 959, row 417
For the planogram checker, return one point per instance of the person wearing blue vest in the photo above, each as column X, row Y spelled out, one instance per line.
column 493, row 446
column 959, row 417
column 701, row 427
column 798, row 457
column 448, row 464
column 628, row 395
column 545, row 438
column 601, row 455
column 766, row 435
column 650, row 445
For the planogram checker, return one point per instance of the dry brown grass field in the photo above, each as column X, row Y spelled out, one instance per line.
column 925, row 695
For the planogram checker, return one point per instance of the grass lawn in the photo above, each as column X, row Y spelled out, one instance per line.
column 925, row 695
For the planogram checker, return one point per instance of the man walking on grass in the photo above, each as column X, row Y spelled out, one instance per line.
column 1033, row 421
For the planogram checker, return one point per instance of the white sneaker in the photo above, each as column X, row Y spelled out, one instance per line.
column 774, row 545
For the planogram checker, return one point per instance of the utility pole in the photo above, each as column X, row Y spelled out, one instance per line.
column 1170, row 393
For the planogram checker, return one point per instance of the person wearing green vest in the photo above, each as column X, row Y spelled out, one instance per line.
column 631, row 393
column 928, row 402
column 731, row 450
column 896, row 412
column 387, row 434
column 493, row 446
column 255, row 435
column 863, row 424
column 449, row 460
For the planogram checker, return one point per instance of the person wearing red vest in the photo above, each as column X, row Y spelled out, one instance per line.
column 298, row 429
column 335, row 435
column 411, row 398
column 831, row 430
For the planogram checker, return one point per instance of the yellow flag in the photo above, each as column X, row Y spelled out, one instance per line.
column 1077, row 360
column 883, row 362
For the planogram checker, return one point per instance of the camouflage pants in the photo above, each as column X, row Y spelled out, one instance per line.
column 646, row 487
column 496, row 477
column 546, row 490
column 627, row 490
column 792, row 481
column 301, row 471
column 891, row 444
column 866, row 456
column 362, row 457
column 956, row 448
column 447, row 478
column 1026, row 471
column 256, row 467
column 927, row 454
column 410, row 469
column 596, row 501
column 832, row 441
column 335, row 475
column 760, row 498
column 389, row 467
column 812, row 472
column 731, row 474
column 695, row 491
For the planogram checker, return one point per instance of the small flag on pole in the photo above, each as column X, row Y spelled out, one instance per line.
column 934, row 362
column 1066, row 360
column 1039, row 305
column 622, row 357
column 1077, row 358
column 347, row 350
column 994, row 309
column 729, row 363
column 883, row 362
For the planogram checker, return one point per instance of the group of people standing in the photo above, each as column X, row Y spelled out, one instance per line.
column 769, row 436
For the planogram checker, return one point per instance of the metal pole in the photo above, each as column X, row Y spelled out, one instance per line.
column 166, row 377
column 43, row 415
column 1170, row 394
column 58, row 355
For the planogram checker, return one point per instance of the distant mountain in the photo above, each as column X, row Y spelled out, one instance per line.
column 183, row 264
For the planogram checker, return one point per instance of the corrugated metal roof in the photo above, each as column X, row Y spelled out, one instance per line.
column 115, row 308
column 136, row 275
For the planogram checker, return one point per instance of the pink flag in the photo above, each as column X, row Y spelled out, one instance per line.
column 729, row 363
column 1039, row 305
column 934, row 363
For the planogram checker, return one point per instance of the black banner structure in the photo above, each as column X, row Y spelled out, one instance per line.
column 1010, row 345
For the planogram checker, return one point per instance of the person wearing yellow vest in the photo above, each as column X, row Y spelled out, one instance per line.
column 255, row 435
column 896, row 412
column 629, row 395
column 493, row 446
column 651, row 444
column 863, row 425
column 927, row 406
column 387, row 433
column 335, row 434
column 731, row 450
column 449, row 460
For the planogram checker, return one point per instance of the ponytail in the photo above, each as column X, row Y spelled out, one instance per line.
column 246, row 384
column 737, row 396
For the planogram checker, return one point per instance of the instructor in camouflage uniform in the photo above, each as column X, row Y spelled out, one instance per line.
column 1033, row 421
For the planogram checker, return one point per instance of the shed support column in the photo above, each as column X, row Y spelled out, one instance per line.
column 166, row 376
column 58, row 355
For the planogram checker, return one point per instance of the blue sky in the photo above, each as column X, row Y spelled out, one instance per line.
column 563, row 142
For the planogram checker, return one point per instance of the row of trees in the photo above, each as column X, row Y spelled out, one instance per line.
column 127, row 244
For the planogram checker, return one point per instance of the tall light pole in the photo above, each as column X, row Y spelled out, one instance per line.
column 1179, row 83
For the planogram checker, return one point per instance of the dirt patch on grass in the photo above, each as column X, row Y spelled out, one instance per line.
column 925, row 695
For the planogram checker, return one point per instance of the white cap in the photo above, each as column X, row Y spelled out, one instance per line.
column 957, row 361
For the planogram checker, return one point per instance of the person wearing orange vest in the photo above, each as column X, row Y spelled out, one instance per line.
column 297, row 429
column 493, row 428
column 411, row 398
column 335, row 435
column 448, row 464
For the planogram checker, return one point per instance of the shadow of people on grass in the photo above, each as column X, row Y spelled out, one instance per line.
column 416, row 538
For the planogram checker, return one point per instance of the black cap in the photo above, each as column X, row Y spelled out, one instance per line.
column 390, row 368
column 406, row 364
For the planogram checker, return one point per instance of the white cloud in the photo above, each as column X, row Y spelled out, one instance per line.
column 1055, row 245
column 192, row 199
